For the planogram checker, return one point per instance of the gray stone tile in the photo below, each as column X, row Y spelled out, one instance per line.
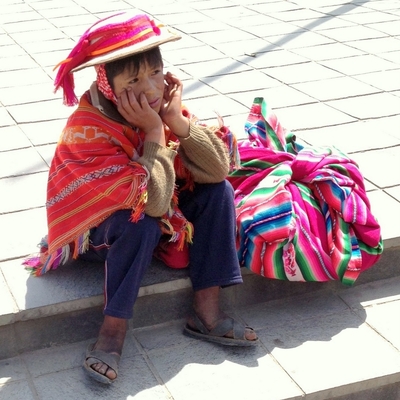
column 335, row 88
column 5, row 118
column 33, row 36
column 355, row 137
column 357, row 65
column 21, row 232
column 32, row 93
column 300, row 39
column 369, row 106
column 382, row 318
column 376, row 46
column 389, row 27
column 86, row 19
column 258, row 24
column 298, row 15
column 23, row 26
column 43, row 132
column 388, row 159
column 182, row 44
column 16, row 17
column 199, row 25
column 236, row 124
column 135, row 381
column 276, row 97
column 45, row 46
column 161, row 337
column 46, row 152
column 384, row 80
column 371, row 294
column 382, row 5
column 194, row 88
column 269, row 59
column 271, row 7
column 366, row 18
column 5, row 40
column 50, row 59
column 393, row 56
column 114, row 6
column 66, row 10
column 196, row 54
column 386, row 210
column 278, row 313
column 327, row 51
column 12, row 50
column 223, row 36
column 185, row 369
column 394, row 192
column 56, row 292
column 21, row 78
column 263, row 25
column 34, row 112
column 23, row 192
column 324, row 23
column 225, row 11
column 298, row 73
column 311, row 116
column 337, row 8
column 240, row 82
column 55, row 358
column 335, row 351
column 12, row 370
column 206, row 107
column 60, row 358
column 242, row 48
column 21, row 61
column 214, row 67
column 8, row 307
column 12, row 138
column 20, row 162
column 351, row 33
column 17, row 390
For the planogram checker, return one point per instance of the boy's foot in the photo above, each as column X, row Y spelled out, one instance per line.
column 103, row 357
column 209, row 317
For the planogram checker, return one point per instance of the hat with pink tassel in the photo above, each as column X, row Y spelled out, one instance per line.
column 109, row 39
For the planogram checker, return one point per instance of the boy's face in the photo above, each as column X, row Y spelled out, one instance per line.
column 148, row 80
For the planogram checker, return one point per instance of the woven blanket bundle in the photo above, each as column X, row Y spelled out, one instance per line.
column 302, row 212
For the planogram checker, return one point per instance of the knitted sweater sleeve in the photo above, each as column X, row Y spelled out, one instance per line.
column 204, row 154
column 159, row 161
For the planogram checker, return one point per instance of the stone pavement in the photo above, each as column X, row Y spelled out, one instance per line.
column 331, row 72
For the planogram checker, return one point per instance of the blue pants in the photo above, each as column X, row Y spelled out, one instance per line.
column 127, row 248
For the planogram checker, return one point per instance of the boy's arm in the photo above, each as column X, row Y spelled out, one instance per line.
column 204, row 154
column 159, row 161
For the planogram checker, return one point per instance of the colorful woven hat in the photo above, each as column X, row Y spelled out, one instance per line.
column 110, row 39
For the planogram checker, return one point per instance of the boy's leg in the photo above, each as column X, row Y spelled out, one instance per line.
column 213, row 258
column 127, row 250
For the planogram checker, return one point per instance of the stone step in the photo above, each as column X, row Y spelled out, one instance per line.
column 65, row 306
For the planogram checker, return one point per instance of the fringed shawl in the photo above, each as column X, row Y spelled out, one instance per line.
column 302, row 213
column 93, row 174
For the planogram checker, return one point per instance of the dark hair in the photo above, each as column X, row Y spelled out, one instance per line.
column 150, row 57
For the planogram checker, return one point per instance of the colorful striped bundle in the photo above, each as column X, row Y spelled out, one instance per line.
column 302, row 213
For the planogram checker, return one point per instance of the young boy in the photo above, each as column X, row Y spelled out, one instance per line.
column 133, row 175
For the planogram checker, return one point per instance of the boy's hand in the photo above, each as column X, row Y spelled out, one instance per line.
column 139, row 114
column 170, row 111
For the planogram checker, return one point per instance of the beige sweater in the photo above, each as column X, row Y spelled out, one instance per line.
column 202, row 153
